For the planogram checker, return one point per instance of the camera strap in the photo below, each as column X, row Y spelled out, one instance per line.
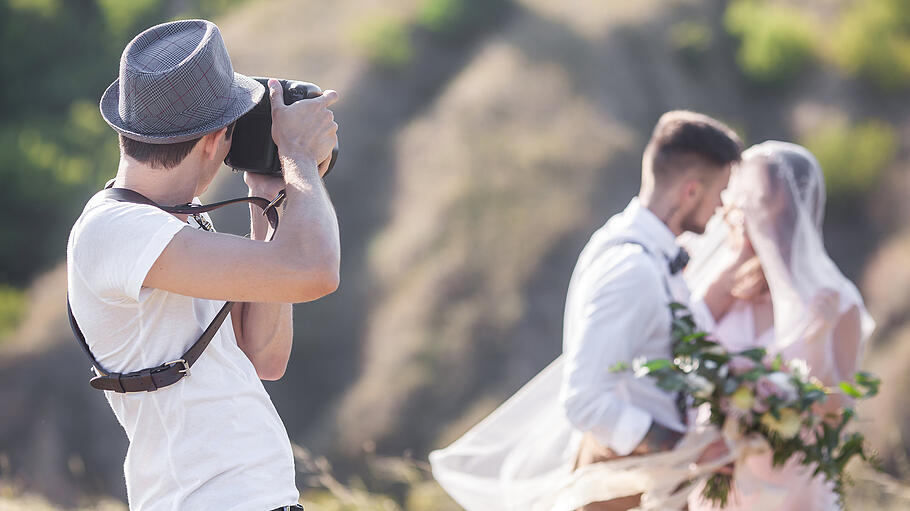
column 169, row 373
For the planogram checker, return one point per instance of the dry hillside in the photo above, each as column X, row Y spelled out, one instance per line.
column 468, row 182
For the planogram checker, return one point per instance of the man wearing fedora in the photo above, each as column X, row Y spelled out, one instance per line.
column 144, row 284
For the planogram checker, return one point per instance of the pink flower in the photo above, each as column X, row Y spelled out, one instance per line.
column 776, row 384
column 740, row 365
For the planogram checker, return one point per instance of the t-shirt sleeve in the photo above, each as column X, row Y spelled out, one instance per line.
column 116, row 243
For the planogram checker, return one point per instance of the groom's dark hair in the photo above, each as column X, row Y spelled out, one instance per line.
column 683, row 138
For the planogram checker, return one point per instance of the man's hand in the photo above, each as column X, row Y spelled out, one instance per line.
column 716, row 451
column 658, row 439
column 304, row 130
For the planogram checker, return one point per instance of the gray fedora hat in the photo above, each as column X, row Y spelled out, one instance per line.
column 177, row 83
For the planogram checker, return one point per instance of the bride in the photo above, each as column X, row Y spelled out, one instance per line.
column 789, row 298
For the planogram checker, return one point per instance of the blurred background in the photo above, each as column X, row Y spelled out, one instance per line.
column 482, row 142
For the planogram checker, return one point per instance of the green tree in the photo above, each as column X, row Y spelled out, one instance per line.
column 776, row 41
column 873, row 40
column 853, row 157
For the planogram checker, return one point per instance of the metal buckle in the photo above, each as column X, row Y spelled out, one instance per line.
column 186, row 367
column 275, row 202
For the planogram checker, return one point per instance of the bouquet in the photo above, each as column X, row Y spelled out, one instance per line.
column 763, row 396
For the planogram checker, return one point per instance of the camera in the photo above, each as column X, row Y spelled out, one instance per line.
column 252, row 147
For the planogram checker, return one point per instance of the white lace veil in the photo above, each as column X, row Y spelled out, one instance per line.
column 780, row 191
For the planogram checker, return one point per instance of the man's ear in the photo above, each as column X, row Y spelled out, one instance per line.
column 692, row 189
column 211, row 142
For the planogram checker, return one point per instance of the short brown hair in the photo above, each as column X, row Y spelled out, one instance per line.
column 165, row 156
column 682, row 136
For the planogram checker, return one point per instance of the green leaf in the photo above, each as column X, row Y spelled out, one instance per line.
column 694, row 337
column 850, row 390
column 754, row 374
column 778, row 363
column 619, row 367
column 756, row 354
column 869, row 381
column 656, row 365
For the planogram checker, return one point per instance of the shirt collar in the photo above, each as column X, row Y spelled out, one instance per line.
column 652, row 228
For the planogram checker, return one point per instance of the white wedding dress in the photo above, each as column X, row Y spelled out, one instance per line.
column 521, row 457
column 779, row 191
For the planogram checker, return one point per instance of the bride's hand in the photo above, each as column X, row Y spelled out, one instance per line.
column 749, row 281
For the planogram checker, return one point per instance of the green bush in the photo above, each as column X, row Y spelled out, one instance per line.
column 690, row 39
column 442, row 15
column 776, row 41
column 12, row 308
column 458, row 19
column 385, row 41
column 873, row 40
column 55, row 150
column 853, row 157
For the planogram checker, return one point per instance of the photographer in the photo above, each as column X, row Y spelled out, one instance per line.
column 144, row 284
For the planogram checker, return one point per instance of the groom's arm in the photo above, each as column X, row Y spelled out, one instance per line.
column 615, row 313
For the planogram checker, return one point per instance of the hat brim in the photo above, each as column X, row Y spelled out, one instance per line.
column 245, row 94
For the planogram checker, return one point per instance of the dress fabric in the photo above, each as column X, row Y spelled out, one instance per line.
column 520, row 455
column 778, row 197
column 736, row 332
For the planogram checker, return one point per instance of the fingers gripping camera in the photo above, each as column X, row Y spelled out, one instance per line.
column 252, row 147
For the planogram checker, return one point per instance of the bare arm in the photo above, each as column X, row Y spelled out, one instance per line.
column 302, row 262
column 264, row 331
column 839, row 365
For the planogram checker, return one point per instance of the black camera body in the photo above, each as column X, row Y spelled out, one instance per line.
column 252, row 147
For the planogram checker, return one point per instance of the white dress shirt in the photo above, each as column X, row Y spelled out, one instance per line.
column 617, row 310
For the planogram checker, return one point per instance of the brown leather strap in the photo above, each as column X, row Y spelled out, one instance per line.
column 169, row 373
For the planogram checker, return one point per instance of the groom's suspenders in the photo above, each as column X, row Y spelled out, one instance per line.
column 632, row 241
column 681, row 400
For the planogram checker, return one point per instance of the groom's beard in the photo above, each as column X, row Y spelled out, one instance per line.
column 690, row 223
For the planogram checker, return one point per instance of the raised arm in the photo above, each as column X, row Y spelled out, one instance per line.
column 302, row 262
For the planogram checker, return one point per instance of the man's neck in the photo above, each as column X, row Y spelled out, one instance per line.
column 663, row 210
column 167, row 187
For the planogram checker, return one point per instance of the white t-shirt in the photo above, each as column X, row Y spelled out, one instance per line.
column 213, row 440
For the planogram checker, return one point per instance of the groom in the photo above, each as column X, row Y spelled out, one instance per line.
column 617, row 304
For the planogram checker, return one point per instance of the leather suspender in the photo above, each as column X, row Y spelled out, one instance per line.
column 171, row 372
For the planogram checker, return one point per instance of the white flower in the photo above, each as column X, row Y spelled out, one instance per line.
column 799, row 368
column 702, row 387
column 785, row 388
column 638, row 366
column 686, row 364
